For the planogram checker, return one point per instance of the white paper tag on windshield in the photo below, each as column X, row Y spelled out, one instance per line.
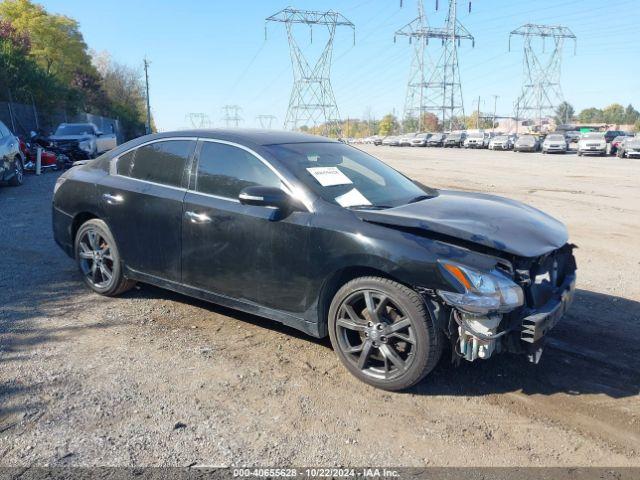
column 352, row 198
column 329, row 176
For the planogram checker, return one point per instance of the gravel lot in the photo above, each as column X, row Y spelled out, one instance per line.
column 154, row 378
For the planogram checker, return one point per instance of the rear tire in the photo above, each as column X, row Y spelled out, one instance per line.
column 383, row 333
column 99, row 260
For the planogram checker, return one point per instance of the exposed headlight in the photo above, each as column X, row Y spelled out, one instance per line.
column 484, row 292
column 86, row 146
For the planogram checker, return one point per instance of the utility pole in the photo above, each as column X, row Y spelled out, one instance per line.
column 146, row 78
column 312, row 100
column 436, row 87
column 493, row 121
column 478, row 115
column 541, row 91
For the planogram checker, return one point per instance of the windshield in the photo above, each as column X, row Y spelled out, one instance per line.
column 527, row 139
column 593, row 135
column 454, row 135
column 436, row 136
column 501, row 138
column 555, row 138
column 347, row 176
column 74, row 130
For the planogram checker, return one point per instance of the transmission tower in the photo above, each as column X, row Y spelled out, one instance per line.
column 541, row 91
column 231, row 117
column 266, row 121
column 198, row 120
column 439, row 90
column 312, row 100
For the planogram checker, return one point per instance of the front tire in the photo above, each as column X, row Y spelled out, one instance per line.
column 18, row 173
column 99, row 260
column 383, row 333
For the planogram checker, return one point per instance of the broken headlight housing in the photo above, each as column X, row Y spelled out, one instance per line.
column 484, row 292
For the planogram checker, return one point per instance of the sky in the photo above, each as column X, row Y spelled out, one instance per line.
column 207, row 54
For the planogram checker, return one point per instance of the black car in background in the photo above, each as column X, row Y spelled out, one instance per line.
column 323, row 237
column 436, row 140
column 609, row 135
column 11, row 158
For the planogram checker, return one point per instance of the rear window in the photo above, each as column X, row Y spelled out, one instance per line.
column 161, row 162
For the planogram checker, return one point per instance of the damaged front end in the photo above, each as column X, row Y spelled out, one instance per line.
column 508, row 308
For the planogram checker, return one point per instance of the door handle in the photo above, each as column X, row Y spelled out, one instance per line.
column 197, row 217
column 112, row 199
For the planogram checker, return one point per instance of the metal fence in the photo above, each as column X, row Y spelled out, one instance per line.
column 23, row 118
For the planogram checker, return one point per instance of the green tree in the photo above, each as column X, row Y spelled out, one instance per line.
column 56, row 42
column 614, row 113
column 564, row 113
column 591, row 115
column 631, row 115
column 388, row 125
column 471, row 121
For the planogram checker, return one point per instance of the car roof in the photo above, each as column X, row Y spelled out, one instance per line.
column 246, row 136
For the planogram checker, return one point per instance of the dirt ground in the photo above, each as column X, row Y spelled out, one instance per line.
column 154, row 378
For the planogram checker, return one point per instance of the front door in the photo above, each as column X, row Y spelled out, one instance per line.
column 238, row 250
column 143, row 206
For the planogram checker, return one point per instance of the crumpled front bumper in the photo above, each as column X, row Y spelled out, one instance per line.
column 539, row 322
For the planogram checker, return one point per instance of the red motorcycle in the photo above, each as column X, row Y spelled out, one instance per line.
column 48, row 160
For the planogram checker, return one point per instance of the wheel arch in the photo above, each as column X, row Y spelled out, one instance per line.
column 335, row 281
column 78, row 220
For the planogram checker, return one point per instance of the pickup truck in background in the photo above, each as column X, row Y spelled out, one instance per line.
column 81, row 141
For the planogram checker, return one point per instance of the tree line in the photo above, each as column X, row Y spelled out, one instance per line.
column 44, row 60
column 390, row 124
column 614, row 114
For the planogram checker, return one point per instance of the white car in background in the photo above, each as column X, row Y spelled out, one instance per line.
column 82, row 140
column 555, row 143
column 405, row 140
column 592, row 143
column 501, row 142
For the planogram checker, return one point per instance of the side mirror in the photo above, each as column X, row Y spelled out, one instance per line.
column 99, row 133
column 266, row 197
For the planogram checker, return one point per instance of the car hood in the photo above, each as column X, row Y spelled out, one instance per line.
column 487, row 220
column 633, row 144
column 53, row 138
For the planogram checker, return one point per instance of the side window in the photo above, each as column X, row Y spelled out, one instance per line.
column 162, row 162
column 124, row 163
column 224, row 170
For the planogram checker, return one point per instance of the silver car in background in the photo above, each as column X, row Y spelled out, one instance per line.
column 420, row 140
column 501, row 142
column 554, row 143
column 592, row 143
column 526, row 143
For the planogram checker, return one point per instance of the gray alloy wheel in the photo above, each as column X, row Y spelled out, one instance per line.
column 383, row 333
column 18, row 170
column 99, row 260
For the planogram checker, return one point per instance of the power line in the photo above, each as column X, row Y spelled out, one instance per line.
column 440, row 89
column 312, row 100
column 231, row 116
column 266, row 121
column 541, row 91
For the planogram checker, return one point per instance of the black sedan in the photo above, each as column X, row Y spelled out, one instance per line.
column 323, row 237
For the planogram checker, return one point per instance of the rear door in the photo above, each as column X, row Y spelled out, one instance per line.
column 142, row 200
column 238, row 250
